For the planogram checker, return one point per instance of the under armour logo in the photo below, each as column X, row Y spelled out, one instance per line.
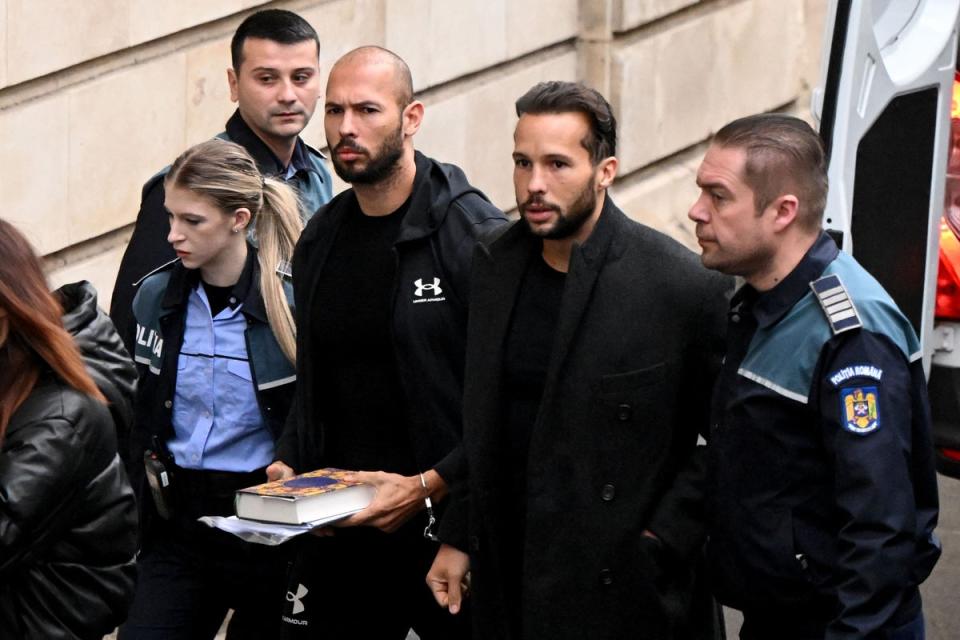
column 297, row 599
column 432, row 288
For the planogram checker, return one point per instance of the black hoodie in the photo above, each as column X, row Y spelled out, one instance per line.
column 446, row 218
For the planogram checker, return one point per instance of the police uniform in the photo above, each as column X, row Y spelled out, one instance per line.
column 822, row 494
column 212, row 396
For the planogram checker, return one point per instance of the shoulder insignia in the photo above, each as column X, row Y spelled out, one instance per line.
column 836, row 303
column 861, row 410
column 285, row 269
column 840, row 376
column 162, row 267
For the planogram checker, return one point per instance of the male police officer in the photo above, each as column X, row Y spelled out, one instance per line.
column 592, row 346
column 381, row 282
column 822, row 494
column 275, row 81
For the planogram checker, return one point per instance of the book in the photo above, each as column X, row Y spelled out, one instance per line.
column 315, row 495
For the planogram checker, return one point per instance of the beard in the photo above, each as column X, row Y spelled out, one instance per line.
column 378, row 168
column 569, row 221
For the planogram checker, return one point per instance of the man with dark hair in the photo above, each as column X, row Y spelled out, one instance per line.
column 275, row 81
column 781, row 156
column 276, row 25
column 592, row 345
column 822, row 494
column 380, row 283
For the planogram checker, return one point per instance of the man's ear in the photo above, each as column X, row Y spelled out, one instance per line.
column 607, row 172
column 785, row 210
column 232, row 83
column 412, row 118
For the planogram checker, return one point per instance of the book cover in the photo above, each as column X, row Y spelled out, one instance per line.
column 314, row 495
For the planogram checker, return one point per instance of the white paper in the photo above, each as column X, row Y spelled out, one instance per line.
column 267, row 533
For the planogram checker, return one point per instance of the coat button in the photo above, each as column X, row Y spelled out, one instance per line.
column 607, row 492
column 474, row 542
column 167, row 404
column 734, row 317
column 624, row 412
column 606, row 577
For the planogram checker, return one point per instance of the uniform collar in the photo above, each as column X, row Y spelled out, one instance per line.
column 239, row 132
column 247, row 288
column 770, row 306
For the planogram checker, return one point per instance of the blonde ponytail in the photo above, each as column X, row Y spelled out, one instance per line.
column 278, row 227
column 226, row 174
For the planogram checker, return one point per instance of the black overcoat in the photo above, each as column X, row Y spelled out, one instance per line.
column 614, row 449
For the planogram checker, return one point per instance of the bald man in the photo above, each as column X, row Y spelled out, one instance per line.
column 381, row 285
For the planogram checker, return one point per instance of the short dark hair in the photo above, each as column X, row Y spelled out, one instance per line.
column 556, row 96
column 277, row 25
column 784, row 154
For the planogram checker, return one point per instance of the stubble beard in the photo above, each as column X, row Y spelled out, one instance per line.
column 379, row 168
column 568, row 222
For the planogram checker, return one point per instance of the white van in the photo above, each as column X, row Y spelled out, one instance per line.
column 889, row 114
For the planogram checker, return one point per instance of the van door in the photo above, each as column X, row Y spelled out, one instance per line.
column 884, row 112
column 885, row 108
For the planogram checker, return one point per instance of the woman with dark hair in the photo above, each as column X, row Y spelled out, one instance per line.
column 67, row 513
column 215, row 346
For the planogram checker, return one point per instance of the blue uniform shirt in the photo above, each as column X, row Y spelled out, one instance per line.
column 216, row 418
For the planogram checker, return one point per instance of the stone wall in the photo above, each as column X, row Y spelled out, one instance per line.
column 96, row 96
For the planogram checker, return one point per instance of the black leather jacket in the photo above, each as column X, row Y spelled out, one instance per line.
column 106, row 358
column 67, row 513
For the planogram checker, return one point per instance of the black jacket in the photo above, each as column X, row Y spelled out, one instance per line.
column 68, row 520
column 613, row 450
column 160, row 309
column 106, row 358
column 441, row 227
column 822, row 497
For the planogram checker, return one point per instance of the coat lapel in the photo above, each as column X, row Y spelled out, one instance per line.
column 586, row 262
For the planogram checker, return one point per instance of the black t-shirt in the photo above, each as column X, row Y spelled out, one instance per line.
column 529, row 346
column 218, row 297
column 358, row 386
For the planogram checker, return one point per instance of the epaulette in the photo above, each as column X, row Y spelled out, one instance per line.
column 836, row 303
column 162, row 267
column 285, row 269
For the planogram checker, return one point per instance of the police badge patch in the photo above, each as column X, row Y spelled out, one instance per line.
column 861, row 409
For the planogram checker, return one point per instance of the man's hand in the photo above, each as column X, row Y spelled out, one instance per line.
column 398, row 498
column 279, row 471
column 449, row 577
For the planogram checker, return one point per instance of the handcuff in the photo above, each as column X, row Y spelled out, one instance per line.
column 431, row 518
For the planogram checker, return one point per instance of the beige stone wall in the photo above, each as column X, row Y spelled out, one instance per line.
column 96, row 96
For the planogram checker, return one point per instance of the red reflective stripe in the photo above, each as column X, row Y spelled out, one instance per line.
column 948, row 276
column 950, row 454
